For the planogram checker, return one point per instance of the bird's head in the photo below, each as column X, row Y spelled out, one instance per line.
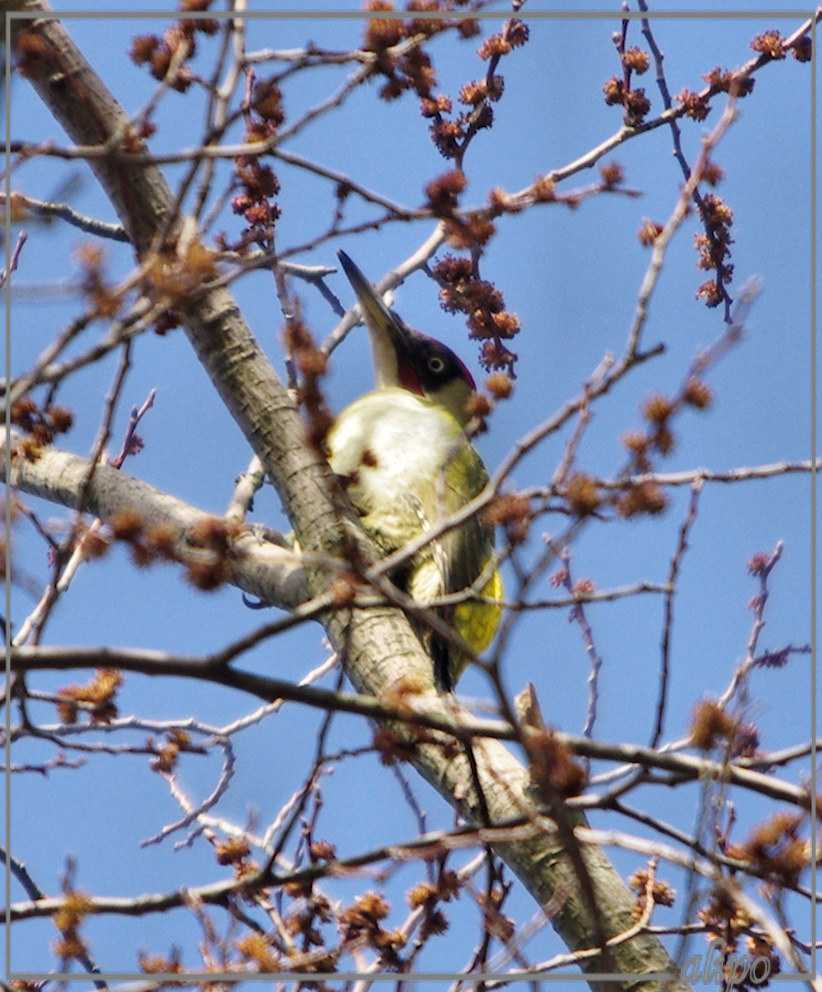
column 404, row 357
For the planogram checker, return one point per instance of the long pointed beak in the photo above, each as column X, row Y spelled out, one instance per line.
column 373, row 307
column 405, row 357
column 390, row 338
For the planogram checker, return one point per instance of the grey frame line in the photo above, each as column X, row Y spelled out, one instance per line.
column 359, row 15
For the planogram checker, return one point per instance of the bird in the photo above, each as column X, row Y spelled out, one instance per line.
column 407, row 464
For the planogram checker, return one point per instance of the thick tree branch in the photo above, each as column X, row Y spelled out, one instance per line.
column 260, row 568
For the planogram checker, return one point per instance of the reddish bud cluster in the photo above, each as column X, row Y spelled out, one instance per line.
column 449, row 134
column 258, row 184
column 746, row 742
column 361, row 922
column 695, row 105
column 101, row 298
column 41, row 426
column 552, row 767
column 167, row 753
column 511, row 511
column 367, row 911
column 267, row 102
column 446, row 887
column 584, row 587
column 232, row 851
column 649, row 232
column 155, row 964
column 759, row 563
column 468, row 27
column 167, row 321
column 715, row 212
column 382, row 32
column 544, row 189
column 802, row 51
column 134, row 136
column 777, row 849
column 75, row 907
column 697, row 393
column 392, row 746
column 769, row 43
column 426, row 895
column 774, row 659
column 614, row 91
column 710, row 292
column 312, row 365
column 499, row 385
column 93, row 544
column 214, row 534
column 477, row 407
column 612, row 175
column 757, row 946
column 658, row 410
column 636, row 60
column 175, row 276
column 206, row 552
column 257, row 949
column 476, row 91
column 431, row 106
column 483, row 303
column 713, row 247
column 177, row 43
column 724, row 918
column 160, row 540
column 321, row 850
column 618, row 91
column 636, row 105
column 634, row 102
column 413, row 69
column 97, row 695
column 126, row 525
column 712, row 174
column 503, row 325
column 638, row 444
column 514, row 34
column 468, row 232
column 582, row 494
column 427, row 26
column 495, row 355
column 641, row 498
column 208, row 575
column 443, row 192
column 739, row 84
column 712, row 726
column 661, row 893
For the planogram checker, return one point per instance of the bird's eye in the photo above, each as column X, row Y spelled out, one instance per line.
column 436, row 364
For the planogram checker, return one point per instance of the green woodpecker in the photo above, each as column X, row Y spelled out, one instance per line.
column 407, row 465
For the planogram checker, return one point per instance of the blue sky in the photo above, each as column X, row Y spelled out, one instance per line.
column 572, row 276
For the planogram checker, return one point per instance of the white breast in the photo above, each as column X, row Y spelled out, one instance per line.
column 391, row 448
